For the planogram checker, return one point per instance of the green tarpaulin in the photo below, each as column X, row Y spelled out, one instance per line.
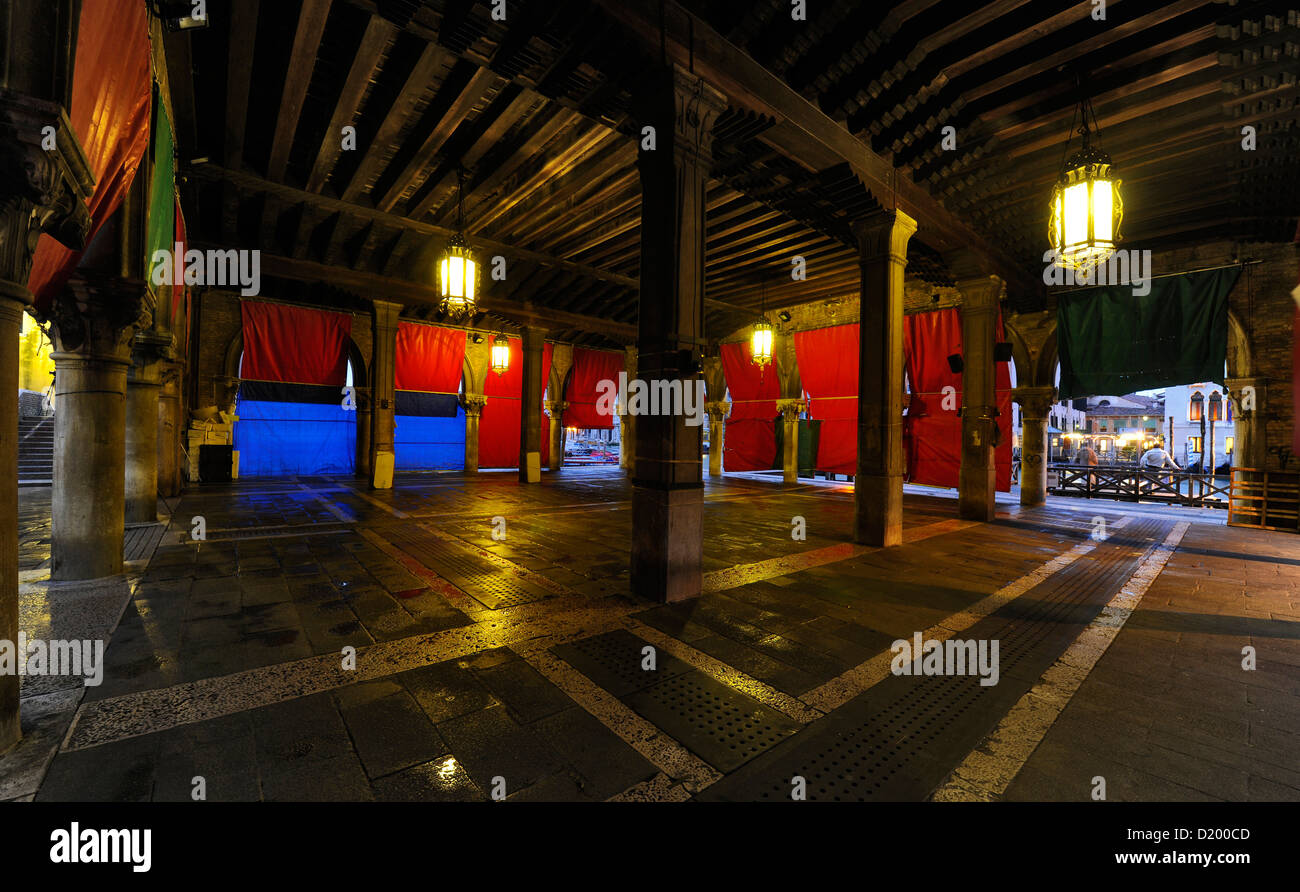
column 1112, row 341
column 162, row 191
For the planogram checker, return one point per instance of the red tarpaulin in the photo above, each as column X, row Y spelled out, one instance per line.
column 932, row 436
column 828, row 366
column 749, row 443
column 110, row 116
column 430, row 359
column 498, row 432
column 294, row 345
column 590, row 367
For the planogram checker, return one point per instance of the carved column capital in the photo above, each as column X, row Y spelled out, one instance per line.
column 884, row 234
column 473, row 404
column 790, row 409
column 44, row 183
column 1247, row 395
column 717, row 409
column 1035, row 402
column 555, row 407
column 99, row 313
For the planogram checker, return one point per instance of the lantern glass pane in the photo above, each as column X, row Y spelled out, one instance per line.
column 444, row 280
column 469, row 277
column 1103, row 210
column 1076, row 215
column 457, row 281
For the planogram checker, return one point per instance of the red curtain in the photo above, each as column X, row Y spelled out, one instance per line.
column 932, row 437
column 590, row 367
column 828, row 366
column 498, row 432
column 430, row 359
column 110, row 115
column 294, row 345
column 749, row 443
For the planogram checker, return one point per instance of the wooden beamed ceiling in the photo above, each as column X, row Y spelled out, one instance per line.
column 829, row 119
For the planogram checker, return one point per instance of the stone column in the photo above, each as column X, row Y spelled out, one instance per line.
column 41, row 190
column 94, row 321
column 473, row 403
column 1249, row 446
column 878, row 486
column 717, row 431
column 530, row 407
column 383, row 387
column 790, row 410
column 1035, row 405
column 170, row 429
column 365, row 411
column 143, row 389
column 668, row 486
column 977, row 482
column 555, row 430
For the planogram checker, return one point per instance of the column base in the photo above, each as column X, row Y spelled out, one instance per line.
column 667, row 529
column 878, row 510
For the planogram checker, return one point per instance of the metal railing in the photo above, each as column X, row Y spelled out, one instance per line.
column 1130, row 483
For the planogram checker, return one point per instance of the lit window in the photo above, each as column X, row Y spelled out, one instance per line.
column 1196, row 407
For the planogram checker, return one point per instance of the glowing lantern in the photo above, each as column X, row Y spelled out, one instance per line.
column 500, row 354
column 1086, row 204
column 760, row 343
column 459, row 271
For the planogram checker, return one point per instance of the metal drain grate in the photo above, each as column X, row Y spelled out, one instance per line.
column 613, row 661
column 493, row 586
column 899, row 739
column 280, row 531
column 721, row 726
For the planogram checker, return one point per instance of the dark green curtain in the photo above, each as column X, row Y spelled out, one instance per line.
column 162, row 190
column 1114, row 342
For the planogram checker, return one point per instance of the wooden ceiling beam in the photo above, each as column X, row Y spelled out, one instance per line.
column 378, row 35
column 239, row 77
column 302, row 61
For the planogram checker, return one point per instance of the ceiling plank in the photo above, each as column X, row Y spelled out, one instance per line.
column 239, row 76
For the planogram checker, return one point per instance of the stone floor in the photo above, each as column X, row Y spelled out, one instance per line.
column 457, row 639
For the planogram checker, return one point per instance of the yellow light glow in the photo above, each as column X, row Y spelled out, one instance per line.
column 760, row 344
column 500, row 355
column 458, row 279
column 1085, row 214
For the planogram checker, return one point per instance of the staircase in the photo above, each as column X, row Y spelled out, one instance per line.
column 35, row 451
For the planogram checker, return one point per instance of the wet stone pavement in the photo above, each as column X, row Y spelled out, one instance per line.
column 330, row 642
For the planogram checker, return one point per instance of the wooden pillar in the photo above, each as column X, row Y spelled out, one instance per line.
column 530, row 407
column 878, row 487
column 717, row 431
column 383, row 423
column 1035, row 405
column 668, row 485
column 977, row 482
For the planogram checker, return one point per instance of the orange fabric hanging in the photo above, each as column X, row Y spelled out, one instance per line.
column 110, row 116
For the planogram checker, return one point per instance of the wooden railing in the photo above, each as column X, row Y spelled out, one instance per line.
column 1130, row 483
column 1266, row 499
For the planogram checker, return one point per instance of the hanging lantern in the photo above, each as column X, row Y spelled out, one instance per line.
column 760, row 343
column 500, row 354
column 1086, row 205
column 459, row 277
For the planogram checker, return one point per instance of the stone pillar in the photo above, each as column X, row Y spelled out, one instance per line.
column 790, row 410
column 1249, row 446
column 668, row 486
column 170, row 429
column 717, row 431
column 878, row 485
column 40, row 191
column 383, row 387
column 473, row 403
column 1035, row 406
column 94, row 320
column 143, row 390
column 365, row 411
column 977, row 483
column 530, row 407
column 555, row 430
